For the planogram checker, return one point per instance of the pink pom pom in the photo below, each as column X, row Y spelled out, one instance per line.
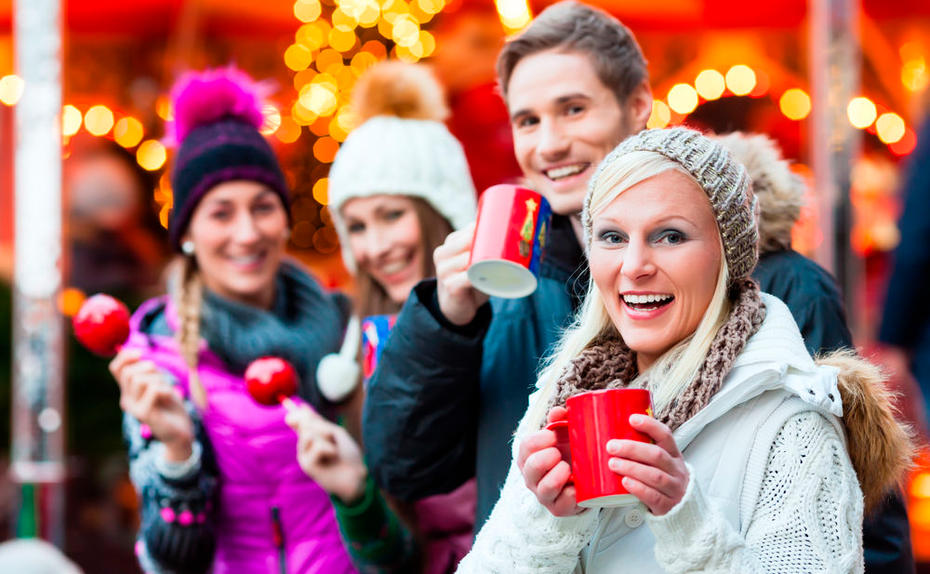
column 167, row 514
column 201, row 98
column 186, row 518
column 146, row 431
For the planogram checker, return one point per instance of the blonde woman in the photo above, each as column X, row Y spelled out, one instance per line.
column 763, row 460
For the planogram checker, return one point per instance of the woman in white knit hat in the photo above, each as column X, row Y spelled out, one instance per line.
column 761, row 459
column 400, row 183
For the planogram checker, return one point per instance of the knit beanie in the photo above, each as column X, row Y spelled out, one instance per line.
column 217, row 117
column 401, row 148
column 723, row 179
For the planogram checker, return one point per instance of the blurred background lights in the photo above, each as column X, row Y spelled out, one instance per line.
column 98, row 120
column 321, row 191
column 710, row 84
column 660, row 116
column 151, row 155
column 861, row 112
column 11, row 89
column 298, row 57
column 70, row 120
column 128, row 132
column 288, row 131
column 890, row 128
column 795, row 104
column 682, row 98
column 307, row 10
column 272, row 119
column 514, row 14
column 741, row 80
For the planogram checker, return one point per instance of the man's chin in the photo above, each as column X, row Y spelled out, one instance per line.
column 566, row 204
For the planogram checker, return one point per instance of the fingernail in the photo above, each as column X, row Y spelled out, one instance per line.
column 636, row 419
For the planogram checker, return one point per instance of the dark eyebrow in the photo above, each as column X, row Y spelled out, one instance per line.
column 561, row 100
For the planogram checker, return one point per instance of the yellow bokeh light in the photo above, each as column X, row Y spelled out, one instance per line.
column 405, row 54
column 344, row 19
column 795, row 104
column 370, row 15
column 326, row 80
column 920, row 485
column 337, row 133
column 431, row 6
column 307, row 10
column 342, row 39
column 514, row 14
column 164, row 107
column 914, row 74
column 890, row 128
column 288, row 131
column 682, row 98
column 391, row 9
column 70, row 300
column 71, row 119
column 710, row 84
column 321, row 191
column 405, row 31
column 660, row 116
column 128, row 132
column 151, row 155
column 326, row 59
column 98, row 120
column 346, row 118
column 314, row 35
column 298, row 57
column 861, row 112
column 319, row 99
column 272, row 119
column 375, row 48
column 11, row 89
column 428, row 41
column 741, row 79
column 362, row 61
column 304, row 77
column 302, row 116
column 418, row 14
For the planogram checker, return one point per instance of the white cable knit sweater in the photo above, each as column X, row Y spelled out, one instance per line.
column 799, row 512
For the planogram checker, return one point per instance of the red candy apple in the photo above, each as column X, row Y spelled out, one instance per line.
column 270, row 380
column 102, row 324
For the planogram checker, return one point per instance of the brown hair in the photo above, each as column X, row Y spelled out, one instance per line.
column 572, row 27
column 188, row 301
column 371, row 298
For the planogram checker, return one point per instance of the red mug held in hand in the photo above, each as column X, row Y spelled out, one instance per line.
column 510, row 235
column 594, row 418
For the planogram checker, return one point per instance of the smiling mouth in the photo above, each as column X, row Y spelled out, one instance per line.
column 647, row 302
column 557, row 173
column 247, row 260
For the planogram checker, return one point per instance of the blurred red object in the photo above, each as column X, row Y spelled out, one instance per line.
column 270, row 380
column 102, row 324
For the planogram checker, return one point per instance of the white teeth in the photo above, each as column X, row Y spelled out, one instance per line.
column 246, row 260
column 640, row 299
column 565, row 171
column 393, row 267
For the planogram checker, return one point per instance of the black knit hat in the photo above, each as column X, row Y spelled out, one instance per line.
column 218, row 114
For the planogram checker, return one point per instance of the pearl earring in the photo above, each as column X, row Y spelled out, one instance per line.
column 188, row 247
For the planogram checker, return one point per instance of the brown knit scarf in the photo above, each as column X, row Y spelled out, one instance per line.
column 609, row 364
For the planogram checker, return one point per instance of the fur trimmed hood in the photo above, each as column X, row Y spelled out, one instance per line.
column 779, row 190
column 880, row 447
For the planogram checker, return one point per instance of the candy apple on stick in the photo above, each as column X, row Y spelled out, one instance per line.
column 272, row 381
column 102, row 324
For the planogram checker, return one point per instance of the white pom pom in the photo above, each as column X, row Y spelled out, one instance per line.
column 337, row 377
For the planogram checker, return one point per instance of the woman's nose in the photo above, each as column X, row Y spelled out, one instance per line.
column 637, row 260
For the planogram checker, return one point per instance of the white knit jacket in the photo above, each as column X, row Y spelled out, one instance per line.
column 791, row 505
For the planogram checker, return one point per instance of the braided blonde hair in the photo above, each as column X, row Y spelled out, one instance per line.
column 188, row 301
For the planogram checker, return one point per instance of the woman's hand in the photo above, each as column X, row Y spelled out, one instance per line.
column 328, row 455
column 654, row 473
column 458, row 299
column 545, row 473
column 148, row 396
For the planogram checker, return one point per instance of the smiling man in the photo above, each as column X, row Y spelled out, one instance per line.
column 456, row 373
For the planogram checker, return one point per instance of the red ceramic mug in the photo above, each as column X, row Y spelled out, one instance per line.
column 594, row 418
column 510, row 235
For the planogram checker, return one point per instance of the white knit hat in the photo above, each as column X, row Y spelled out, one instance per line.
column 398, row 156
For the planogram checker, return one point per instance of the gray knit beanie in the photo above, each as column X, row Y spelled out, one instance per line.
column 723, row 179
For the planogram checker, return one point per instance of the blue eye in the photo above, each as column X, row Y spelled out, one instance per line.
column 671, row 237
column 611, row 237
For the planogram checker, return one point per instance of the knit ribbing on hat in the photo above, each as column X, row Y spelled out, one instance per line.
column 609, row 364
column 724, row 180
column 211, row 154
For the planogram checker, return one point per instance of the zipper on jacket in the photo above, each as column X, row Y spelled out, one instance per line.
column 277, row 532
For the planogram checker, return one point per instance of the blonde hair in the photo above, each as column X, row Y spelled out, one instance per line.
column 188, row 300
column 677, row 367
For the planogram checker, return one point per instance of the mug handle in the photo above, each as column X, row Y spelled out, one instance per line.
column 560, row 428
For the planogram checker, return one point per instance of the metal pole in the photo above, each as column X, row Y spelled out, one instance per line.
column 38, row 375
column 834, row 72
